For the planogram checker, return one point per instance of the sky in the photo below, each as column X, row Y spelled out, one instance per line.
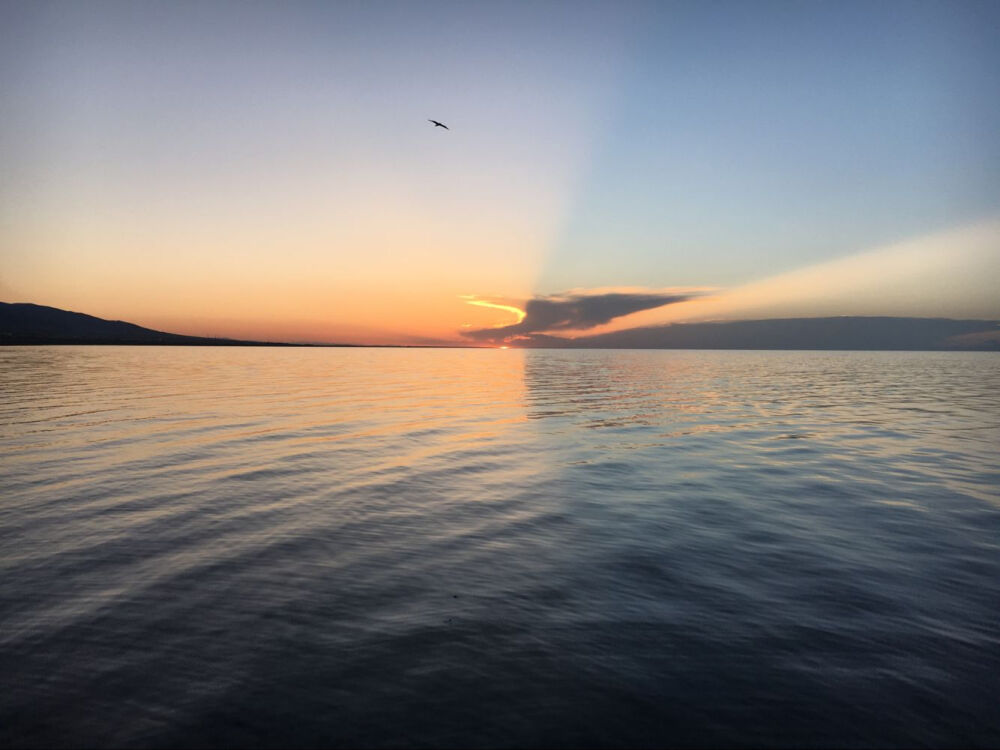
column 268, row 171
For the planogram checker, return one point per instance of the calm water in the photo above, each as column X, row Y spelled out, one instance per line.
column 265, row 547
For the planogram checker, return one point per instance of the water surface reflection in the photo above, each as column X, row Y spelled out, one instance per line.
column 494, row 548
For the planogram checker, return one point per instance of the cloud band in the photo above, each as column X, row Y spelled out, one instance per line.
column 575, row 312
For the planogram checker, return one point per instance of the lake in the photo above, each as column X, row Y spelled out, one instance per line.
column 261, row 547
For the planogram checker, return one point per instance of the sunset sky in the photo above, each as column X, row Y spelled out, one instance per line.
column 267, row 170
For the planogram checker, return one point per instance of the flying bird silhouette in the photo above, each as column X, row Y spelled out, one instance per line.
column 439, row 124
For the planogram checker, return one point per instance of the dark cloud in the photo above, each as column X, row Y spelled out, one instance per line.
column 576, row 312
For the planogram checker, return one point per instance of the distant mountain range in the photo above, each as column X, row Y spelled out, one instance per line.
column 847, row 333
column 24, row 323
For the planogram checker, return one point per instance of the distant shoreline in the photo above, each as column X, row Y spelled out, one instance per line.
column 27, row 341
column 262, row 345
column 236, row 343
column 27, row 324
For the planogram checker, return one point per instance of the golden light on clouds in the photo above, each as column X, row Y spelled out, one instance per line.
column 471, row 299
column 947, row 274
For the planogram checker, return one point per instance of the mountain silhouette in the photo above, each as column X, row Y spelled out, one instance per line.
column 25, row 323
column 839, row 333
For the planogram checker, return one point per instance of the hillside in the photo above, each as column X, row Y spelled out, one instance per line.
column 25, row 323
column 844, row 333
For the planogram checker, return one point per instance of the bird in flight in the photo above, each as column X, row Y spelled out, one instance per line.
column 439, row 124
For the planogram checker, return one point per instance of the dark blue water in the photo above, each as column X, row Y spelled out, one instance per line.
column 387, row 548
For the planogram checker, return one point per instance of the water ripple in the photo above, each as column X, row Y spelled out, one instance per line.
column 397, row 548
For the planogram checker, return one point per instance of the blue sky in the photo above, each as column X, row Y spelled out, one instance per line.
column 255, row 168
column 749, row 138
